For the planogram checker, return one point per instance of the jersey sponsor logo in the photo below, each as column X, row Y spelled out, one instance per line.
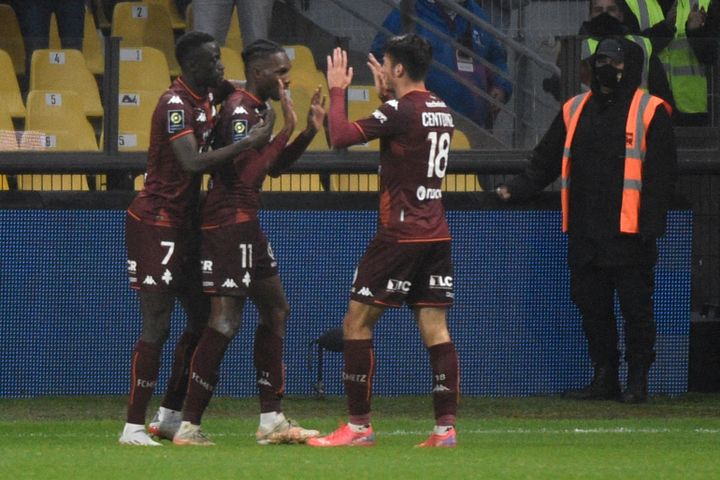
column 167, row 277
column 437, row 119
column 176, row 121
column 240, row 111
column 449, row 294
column 206, row 266
column 229, row 283
column 394, row 285
column 133, row 279
column 435, row 104
column 423, row 193
column 379, row 116
column 132, row 266
column 365, row 292
column 393, row 103
column 208, row 284
column 246, row 279
column 239, row 130
column 440, row 281
column 149, row 281
column 175, row 100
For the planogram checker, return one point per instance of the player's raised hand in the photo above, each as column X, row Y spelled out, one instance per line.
column 338, row 73
column 289, row 115
column 379, row 77
column 259, row 134
column 316, row 114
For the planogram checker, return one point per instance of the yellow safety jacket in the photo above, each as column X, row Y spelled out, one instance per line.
column 647, row 12
column 642, row 109
column 686, row 75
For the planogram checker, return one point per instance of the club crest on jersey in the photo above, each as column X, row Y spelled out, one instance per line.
column 239, row 129
column 176, row 121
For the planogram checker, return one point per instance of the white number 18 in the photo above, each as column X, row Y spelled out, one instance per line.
column 439, row 152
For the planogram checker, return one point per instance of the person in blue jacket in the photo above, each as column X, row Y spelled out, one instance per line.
column 457, row 95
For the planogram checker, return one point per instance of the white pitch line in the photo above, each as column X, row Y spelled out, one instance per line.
column 402, row 433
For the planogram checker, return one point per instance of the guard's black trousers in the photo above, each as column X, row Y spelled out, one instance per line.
column 593, row 287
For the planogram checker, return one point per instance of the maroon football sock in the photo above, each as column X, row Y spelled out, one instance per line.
column 357, row 377
column 144, row 374
column 269, row 368
column 204, row 373
column 178, row 382
column 446, row 382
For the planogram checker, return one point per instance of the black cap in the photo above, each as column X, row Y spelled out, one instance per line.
column 611, row 48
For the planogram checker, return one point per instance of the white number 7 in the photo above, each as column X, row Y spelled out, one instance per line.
column 171, row 248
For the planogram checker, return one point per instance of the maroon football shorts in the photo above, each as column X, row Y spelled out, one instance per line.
column 162, row 259
column 418, row 274
column 233, row 256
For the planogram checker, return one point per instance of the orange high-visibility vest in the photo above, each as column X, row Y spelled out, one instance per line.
column 642, row 110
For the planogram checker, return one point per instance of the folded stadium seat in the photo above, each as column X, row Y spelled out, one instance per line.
column 66, row 70
column 10, row 98
column 93, row 47
column 234, row 66
column 304, row 72
column 143, row 24
column 11, row 40
column 293, row 182
column 56, row 121
column 362, row 102
column 135, row 110
column 176, row 20
column 143, row 69
column 460, row 182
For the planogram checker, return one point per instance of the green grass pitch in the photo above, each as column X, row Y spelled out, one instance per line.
column 517, row 438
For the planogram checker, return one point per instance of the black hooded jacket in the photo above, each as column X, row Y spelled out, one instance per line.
column 597, row 174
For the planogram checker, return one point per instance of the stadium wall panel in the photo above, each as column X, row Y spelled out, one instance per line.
column 68, row 320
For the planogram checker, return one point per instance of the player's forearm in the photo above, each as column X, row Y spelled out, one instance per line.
column 342, row 132
column 291, row 153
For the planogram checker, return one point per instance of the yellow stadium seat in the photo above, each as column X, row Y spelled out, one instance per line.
column 9, row 89
column 293, row 182
column 135, row 109
column 304, row 72
column 66, row 70
column 354, row 182
column 362, row 102
column 176, row 19
column 461, row 182
column 143, row 68
column 11, row 39
column 301, row 98
column 8, row 138
column 234, row 66
column 234, row 36
column 459, row 141
column 56, row 122
column 93, row 48
column 143, row 24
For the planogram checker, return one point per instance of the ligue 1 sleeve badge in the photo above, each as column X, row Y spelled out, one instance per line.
column 239, row 129
column 176, row 121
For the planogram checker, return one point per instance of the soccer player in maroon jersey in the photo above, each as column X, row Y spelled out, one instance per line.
column 237, row 261
column 161, row 229
column 409, row 260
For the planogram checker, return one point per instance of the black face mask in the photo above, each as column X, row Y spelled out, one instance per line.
column 608, row 76
column 605, row 24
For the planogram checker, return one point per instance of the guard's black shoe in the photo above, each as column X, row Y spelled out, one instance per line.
column 604, row 386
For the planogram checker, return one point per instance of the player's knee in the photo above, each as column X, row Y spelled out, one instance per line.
column 227, row 325
column 155, row 332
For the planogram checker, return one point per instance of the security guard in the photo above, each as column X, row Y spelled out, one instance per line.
column 614, row 148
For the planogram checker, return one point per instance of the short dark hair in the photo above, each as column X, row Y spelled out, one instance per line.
column 413, row 52
column 260, row 49
column 188, row 43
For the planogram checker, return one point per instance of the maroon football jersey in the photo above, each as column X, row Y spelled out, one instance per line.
column 415, row 133
column 234, row 195
column 170, row 195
